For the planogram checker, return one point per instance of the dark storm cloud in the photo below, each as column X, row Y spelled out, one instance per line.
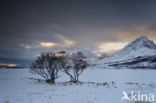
column 87, row 22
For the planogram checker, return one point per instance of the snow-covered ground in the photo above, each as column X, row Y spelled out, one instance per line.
column 100, row 86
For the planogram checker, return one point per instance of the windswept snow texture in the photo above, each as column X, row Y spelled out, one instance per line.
column 141, row 47
column 17, row 87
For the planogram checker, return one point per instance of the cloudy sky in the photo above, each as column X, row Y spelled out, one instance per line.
column 28, row 27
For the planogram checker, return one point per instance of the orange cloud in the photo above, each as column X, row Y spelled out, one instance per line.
column 64, row 43
column 129, row 34
column 8, row 64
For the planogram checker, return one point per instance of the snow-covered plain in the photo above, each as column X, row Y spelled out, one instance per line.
column 99, row 86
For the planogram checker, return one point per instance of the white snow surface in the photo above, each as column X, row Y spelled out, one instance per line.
column 17, row 87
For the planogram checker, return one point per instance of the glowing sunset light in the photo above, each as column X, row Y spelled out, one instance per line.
column 7, row 64
column 112, row 46
column 48, row 44
column 109, row 47
column 99, row 52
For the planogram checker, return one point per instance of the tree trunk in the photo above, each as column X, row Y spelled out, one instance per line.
column 52, row 78
column 50, row 81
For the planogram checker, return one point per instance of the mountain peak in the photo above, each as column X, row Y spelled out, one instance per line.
column 143, row 37
column 142, row 42
column 140, row 47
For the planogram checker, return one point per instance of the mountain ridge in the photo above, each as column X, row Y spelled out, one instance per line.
column 140, row 47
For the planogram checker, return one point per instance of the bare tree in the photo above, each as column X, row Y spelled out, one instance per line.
column 80, row 63
column 47, row 66
column 73, row 65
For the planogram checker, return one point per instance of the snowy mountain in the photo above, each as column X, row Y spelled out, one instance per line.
column 138, row 49
column 141, row 42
